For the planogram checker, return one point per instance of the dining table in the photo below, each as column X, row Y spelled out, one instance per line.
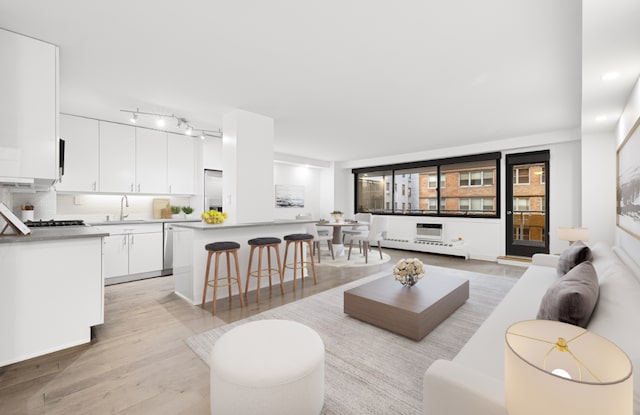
column 338, row 248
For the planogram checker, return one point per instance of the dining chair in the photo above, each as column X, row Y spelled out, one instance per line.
column 377, row 232
column 358, row 230
column 317, row 238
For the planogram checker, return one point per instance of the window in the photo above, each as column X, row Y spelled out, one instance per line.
column 521, row 175
column 476, row 204
column 371, row 193
column 472, row 188
column 476, row 178
column 521, row 204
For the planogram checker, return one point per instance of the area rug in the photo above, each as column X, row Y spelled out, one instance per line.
column 370, row 370
column 356, row 260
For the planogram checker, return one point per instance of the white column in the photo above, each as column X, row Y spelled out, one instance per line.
column 248, row 192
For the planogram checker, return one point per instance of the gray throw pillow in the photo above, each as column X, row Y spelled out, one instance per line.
column 578, row 252
column 572, row 298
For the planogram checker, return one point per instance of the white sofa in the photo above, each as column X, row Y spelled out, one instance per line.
column 473, row 382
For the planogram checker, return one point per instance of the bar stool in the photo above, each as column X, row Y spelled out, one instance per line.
column 261, row 243
column 220, row 248
column 298, row 240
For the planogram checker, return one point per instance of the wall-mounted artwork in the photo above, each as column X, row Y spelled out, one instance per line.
column 628, row 183
column 289, row 196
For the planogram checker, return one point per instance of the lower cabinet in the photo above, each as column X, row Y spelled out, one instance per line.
column 132, row 252
column 51, row 293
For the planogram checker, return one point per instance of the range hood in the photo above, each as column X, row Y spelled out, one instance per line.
column 25, row 185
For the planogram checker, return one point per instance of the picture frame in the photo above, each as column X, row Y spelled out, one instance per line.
column 289, row 196
column 628, row 183
column 12, row 222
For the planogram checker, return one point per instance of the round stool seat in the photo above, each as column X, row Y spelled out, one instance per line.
column 221, row 246
column 268, row 367
column 264, row 241
column 298, row 237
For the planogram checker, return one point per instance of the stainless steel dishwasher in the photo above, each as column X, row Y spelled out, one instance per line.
column 167, row 254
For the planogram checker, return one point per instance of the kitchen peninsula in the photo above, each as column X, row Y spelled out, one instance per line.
column 190, row 257
column 51, row 290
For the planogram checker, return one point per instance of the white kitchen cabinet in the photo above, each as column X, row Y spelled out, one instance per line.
column 145, row 252
column 51, row 293
column 132, row 250
column 82, row 154
column 151, row 161
column 116, row 255
column 28, row 107
column 181, row 164
column 117, row 158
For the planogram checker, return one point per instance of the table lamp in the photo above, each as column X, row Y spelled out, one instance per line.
column 558, row 368
column 573, row 234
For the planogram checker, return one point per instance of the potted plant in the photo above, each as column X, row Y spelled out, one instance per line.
column 175, row 212
column 188, row 210
column 337, row 215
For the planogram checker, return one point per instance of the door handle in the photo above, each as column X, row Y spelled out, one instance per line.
column 509, row 212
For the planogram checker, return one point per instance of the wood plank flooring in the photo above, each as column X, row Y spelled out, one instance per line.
column 138, row 363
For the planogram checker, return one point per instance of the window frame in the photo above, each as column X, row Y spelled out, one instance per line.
column 392, row 169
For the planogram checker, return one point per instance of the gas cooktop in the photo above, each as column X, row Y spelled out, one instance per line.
column 51, row 223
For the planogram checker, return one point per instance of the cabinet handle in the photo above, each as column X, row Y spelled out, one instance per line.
column 94, row 186
column 138, row 188
column 124, row 240
column 169, row 188
column 131, row 239
column 132, row 187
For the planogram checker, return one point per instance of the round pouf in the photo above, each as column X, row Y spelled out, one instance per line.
column 268, row 367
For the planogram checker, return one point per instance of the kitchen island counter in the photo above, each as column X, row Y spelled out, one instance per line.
column 190, row 256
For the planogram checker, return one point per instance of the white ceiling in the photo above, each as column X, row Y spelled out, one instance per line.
column 344, row 79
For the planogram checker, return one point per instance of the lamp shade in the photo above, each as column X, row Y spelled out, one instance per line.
column 600, row 380
column 573, row 234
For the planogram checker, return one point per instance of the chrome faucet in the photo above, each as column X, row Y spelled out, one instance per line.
column 123, row 199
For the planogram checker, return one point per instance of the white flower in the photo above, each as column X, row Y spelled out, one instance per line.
column 408, row 267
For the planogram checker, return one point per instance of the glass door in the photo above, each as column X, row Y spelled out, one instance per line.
column 527, row 203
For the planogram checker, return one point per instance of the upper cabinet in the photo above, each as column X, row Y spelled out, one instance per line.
column 81, row 136
column 151, row 161
column 106, row 157
column 28, row 107
column 117, row 158
column 181, row 164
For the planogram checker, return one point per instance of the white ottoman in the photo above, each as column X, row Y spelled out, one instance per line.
column 268, row 367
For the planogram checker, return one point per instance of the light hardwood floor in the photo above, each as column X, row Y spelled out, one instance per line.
column 138, row 362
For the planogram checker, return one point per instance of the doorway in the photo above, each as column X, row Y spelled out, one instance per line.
column 527, row 204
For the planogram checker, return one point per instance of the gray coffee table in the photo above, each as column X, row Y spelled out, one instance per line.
column 411, row 312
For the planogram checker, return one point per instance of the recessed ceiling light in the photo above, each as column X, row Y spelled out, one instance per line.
column 601, row 118
column 160, row 122
column 610, row 76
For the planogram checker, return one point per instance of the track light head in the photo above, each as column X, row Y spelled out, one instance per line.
column 134, row 117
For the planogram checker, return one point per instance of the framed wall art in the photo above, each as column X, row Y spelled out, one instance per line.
column 628, row 183
column 289, row 196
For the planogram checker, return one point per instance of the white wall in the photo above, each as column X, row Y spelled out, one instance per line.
column 486, row 238
column 629, row 117
column 599, row 186
column 318, row 186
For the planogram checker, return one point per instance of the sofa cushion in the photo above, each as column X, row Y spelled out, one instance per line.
column 578, row 252
column 572, row 298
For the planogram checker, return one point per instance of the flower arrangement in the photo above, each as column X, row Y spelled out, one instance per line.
column 337, row 215
column 408, row 271
column 214, row 217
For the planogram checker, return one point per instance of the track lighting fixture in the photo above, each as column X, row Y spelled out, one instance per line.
column 181, row 123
